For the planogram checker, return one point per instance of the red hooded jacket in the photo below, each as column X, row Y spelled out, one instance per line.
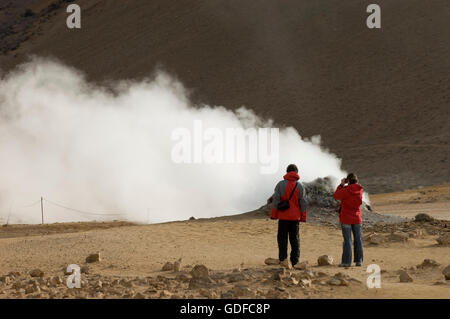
column 294, row 212
column 351, row 200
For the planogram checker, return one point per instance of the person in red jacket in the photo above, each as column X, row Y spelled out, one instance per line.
column 350, row 193
column 289, row 190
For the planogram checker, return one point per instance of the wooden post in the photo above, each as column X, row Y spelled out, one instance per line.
column 42, row 210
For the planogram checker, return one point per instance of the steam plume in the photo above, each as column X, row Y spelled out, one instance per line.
column 108, row 152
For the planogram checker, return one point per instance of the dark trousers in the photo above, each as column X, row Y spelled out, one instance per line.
column 288, row 229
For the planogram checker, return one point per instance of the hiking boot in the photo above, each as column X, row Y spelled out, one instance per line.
column 359, row 264
column 344, row 265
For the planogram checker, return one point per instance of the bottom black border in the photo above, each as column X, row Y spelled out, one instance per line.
column 233, row 308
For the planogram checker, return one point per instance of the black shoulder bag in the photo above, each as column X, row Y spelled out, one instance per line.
column 284, row 204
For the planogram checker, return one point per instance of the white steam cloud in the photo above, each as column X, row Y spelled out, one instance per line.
column 103, row 152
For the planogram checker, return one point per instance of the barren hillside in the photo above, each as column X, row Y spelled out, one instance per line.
column 378, row 98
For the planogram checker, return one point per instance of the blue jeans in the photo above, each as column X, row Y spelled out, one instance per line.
column 347, row 231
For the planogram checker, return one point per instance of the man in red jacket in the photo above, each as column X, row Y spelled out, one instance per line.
column 288, row 219
column 350, row 196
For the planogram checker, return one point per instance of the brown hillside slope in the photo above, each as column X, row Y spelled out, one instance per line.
column 379, row 98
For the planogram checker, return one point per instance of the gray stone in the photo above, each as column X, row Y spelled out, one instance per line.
column 301, row 266
column 405, row 277
column 423, row 218
column 428, row 263
column 325, row 260
column 374, row 239
column 334, row 281
column 446, row 272
column 271, row 261
column 177, row 265
column 5, row 280
column 92, row 258
column 444, row 240
column 36, row 273
column 200, row 271
column 168, row 266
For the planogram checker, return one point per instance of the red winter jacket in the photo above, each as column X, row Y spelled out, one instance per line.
column 351, row 200
column 297, row 204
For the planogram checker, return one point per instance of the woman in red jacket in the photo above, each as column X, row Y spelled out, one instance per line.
column 350, row 196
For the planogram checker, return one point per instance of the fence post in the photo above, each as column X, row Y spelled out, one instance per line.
column 42, row 210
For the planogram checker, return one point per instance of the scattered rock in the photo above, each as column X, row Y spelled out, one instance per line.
column 139, row 296
column 36, row 273
column 309, row 274
column 55, row 281
column 151, row 291
column 32, row 289
column 277, row 294
column 374, row 239
column 200, row 271
column 207, row 293
column 126, row 283
column 84, row 269
column 226, row 295
column 337, row 281
column 18, row 285
column 200, row 277
column 98, row 284
column 182, row 277
column 235, row 277
column 92, row 258
column 13, row 274
column 177, row 265
column 168, row 266
column 444, row 240
column 286, row 264
column 301, row 266
column 417, row 233
column 325, row 260
column 5, row 280
column 321, row 274
column 405, row 277
column 192, row 218
column 428, row 263
column 305, row 283
column 423, row 218
column 271, row 261
column 196, row 282
column 446, row 272
column 399, row 237
column 243, row 291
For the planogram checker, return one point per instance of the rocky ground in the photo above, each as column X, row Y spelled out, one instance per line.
column 227, row 257
column 139, row 262
column 271, row 281
column 323, row 209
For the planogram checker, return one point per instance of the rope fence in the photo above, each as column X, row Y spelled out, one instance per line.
column 66, row 207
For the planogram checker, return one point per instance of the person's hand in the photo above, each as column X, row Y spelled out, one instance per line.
column 342, row 182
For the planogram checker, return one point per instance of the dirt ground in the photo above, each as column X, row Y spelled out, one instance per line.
column 132, row 257
column 434, row 201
